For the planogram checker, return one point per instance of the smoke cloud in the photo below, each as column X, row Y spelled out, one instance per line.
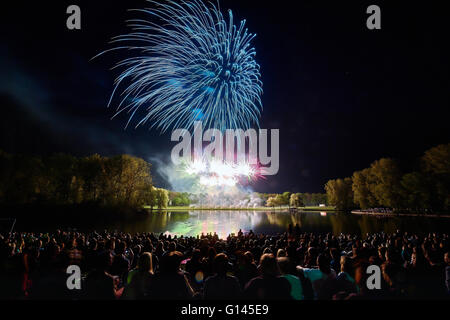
column 237, row 196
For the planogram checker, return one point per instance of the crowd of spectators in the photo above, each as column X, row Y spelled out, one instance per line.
column 289, row 266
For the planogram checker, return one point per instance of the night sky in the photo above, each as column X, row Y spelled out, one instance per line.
column 341, row 95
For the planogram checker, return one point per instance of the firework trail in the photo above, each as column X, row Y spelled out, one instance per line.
column 191, row 64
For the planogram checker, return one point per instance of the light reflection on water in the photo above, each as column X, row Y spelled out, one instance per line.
column 224, row 222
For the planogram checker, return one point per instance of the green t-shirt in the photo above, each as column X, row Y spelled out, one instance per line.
column 313, row 274
column 296, row 286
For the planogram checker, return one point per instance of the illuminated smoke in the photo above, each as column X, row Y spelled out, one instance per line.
column 212, row 184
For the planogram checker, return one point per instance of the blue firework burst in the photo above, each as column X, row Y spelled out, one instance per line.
column 188, row 63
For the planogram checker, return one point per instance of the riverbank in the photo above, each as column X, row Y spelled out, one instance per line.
column 384, row 214
column 186, row 208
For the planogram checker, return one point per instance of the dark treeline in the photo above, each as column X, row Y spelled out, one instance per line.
column 63, row 179
column 125, row 181
column 308, row 199
column 292, row 199
column 386, row 184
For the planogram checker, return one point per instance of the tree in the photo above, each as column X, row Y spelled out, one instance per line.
column 271, row 202
column 124, row 179
column 91, row 172
column 339, row 193
column 307, row 199
column 62, row 179
column 436, row 165
column 363, row 197
column 285, row 197
column 179, row 198
column 27, row 180
column 162, row 198
column 437, row 160
column 384, row 182
column 415, row 191
column 322, row 198
column 295, row 200
column 61, row 168
column 151, row 198
column 317, row 199
column 279, row 200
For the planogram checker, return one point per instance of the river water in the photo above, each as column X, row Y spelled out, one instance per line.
column 224, row 222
